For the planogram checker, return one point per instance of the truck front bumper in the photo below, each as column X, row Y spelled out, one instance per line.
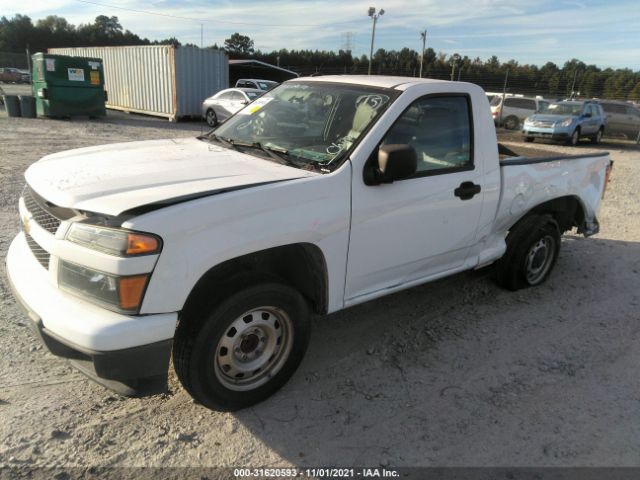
column 103, row 345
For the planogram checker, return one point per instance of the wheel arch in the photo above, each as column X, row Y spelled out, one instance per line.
column 568, row 211
column 301, row 265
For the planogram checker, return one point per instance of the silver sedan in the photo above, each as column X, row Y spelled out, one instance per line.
column 225, row 103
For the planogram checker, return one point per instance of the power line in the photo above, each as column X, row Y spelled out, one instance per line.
column 201, row 20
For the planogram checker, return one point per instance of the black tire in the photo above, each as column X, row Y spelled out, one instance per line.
column 511, row 122
column 197, row 346
column 211, row 118
column 597, row 137
column 515, row 269
column 574, row 139
column 529, row 139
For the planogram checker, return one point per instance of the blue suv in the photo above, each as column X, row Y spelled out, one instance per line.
column 567, row 121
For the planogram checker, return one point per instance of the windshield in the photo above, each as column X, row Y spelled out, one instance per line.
column 266, row 85
column 495, row 101
column 561, row 108
column 310, row 123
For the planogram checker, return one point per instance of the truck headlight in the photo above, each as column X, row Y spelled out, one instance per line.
column 114, row 241
column 567, row 122
column 122, row 294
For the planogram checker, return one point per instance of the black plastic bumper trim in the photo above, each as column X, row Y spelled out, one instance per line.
column 135, row 371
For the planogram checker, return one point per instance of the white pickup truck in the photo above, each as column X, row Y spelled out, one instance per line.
column 324, row 193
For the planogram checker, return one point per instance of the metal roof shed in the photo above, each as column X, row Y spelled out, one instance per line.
column 257, row 69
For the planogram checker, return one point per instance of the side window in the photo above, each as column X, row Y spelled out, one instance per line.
column 529, row 104
column 511, row 102
column 439, row 128
column 237, row 96
column 633, row 111
column 226, row 96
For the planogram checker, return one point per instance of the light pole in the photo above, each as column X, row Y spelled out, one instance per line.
column 374, row 16
column 423, row 35
column 454, row 62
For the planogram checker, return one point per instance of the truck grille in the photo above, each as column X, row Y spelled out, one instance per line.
column 43, row 218
column 40, row 253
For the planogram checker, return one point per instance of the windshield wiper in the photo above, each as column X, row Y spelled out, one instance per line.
column 227, row 143
column 279, row 154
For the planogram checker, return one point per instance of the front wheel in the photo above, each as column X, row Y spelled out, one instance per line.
column 533, row 246
column 239, row 352
column 528, row 139
column 574, row 138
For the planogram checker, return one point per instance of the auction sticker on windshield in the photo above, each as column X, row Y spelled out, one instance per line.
column 255, row 106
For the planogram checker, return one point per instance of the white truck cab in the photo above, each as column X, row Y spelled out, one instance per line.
column 324, row 193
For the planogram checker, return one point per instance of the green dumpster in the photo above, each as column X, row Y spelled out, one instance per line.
column 67, row 86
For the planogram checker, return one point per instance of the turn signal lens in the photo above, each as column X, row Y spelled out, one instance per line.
column 138, row 244
column 121, row 294
column 131, row 291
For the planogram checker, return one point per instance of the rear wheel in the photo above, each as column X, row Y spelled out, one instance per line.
column 238, row 352
column 597, row 138
column 511, row 122
column 533, row 246
column 212, row 119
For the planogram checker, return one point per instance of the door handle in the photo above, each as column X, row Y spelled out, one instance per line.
column 467, row 190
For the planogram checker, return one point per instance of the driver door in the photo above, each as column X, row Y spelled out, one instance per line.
column 422, row 226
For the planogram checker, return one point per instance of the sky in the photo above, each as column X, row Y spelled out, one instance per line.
column 604, row 32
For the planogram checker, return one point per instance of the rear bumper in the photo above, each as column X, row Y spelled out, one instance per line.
column 97, row 342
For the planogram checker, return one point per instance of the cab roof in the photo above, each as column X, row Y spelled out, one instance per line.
column 381, row 81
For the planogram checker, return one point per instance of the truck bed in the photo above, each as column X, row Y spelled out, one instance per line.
column 531, row 177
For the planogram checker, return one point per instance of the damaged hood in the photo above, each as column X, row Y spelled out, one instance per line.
column 111, row 179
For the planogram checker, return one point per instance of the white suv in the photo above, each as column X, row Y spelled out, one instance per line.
column 515, row 110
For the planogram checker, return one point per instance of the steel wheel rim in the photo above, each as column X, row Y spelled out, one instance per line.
column 511, row 124
column 539, row 259
column 253, row 348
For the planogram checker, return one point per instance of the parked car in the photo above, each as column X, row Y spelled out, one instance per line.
column 226, row 102
column 567, row 121
column 264, row 85
column 10, row 75
column 216, row 249
column 514, row 110
column 622, row 118
column 25, row 76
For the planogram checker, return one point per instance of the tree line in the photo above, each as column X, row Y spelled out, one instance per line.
column 574, row 77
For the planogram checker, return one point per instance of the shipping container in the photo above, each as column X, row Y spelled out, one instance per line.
column 160, row 80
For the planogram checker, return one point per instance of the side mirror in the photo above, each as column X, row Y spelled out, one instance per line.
column 245, row 102
column 394, row 162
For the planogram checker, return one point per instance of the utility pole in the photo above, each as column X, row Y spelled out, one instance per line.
column 573, row 85
column 454, row 61
column 374, row 16
column 423, row 35
column 201, row 35
column 504, row 94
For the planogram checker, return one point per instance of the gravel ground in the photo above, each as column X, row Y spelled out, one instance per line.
column 454, row 373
